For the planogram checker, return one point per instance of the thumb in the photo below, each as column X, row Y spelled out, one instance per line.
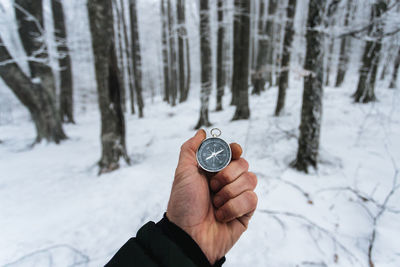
column 189, row 148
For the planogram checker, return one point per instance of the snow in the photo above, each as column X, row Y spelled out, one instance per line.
column 56, row 210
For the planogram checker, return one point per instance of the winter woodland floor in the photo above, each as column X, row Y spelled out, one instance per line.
column 56, row 211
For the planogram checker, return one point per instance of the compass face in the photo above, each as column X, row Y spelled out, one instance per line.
column 214, row 154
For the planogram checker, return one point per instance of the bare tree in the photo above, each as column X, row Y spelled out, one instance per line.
column 263, row 71
column 165, row 45
column 64, row 61
column 29, row 14
column 36, row 98
column 393, row 82
column 220, row 55
column 205, row 59
column 344, row 44
column 183, row 42
column 136, row 56
column 108, row 87
column 172, row 55
column 241, row 59
column 283, row 79
column 311, row 111
column 366, row 84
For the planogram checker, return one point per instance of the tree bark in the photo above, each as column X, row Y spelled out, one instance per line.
column 172, row 55
column 182, row 36
column 29, row 14
column 393, row 82
column 205, row 60
column 242, row 58
column 121, row 59
column 343, row 54
column 37, row 99
column 165, row 45
column 311, row 112
column 366, row 84
column 283, row 80
column 66, row 89
column 136, row 56
column 220, row 55
column 263, row 72
column 108, row 87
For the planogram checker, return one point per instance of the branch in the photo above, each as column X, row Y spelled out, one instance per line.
column 308, row 222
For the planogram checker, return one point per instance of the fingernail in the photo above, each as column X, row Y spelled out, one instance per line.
column 214, row 184
column 217, row 201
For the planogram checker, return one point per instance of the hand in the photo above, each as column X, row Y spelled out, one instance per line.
column 216, row 219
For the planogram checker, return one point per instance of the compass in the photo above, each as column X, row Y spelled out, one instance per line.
column 214, row 154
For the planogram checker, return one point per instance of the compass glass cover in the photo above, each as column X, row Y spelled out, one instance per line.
column 214, row 154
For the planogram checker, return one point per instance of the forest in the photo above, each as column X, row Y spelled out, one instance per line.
column 97, row 97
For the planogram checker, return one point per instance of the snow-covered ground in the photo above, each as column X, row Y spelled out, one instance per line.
column 56, row 211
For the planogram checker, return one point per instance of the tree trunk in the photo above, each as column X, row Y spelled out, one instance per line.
column 37, row 99
column 172, row 55
column 180, row 8
column 236, row 52
column 66, row 90
column 343, row 54
column 366, row 84
column 121, row 59
column 129, row 58
column 242, row 51
column 220, row 56
column 31, row 32
column 205, row 60
column 188, row 74
column 263, row 72
column 136, row 56
column 108, row 87
column 393, row 82
column 283, row 80
column 329, row 60
column 311, row 112
column 165, row 45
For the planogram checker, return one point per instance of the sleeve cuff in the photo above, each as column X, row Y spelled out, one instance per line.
column 189, row 247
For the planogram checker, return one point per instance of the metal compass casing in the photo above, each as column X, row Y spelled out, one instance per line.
column 214, row 154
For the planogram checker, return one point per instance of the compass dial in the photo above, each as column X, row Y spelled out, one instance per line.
column 214, row 154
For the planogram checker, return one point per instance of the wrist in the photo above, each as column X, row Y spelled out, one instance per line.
column 204, row 245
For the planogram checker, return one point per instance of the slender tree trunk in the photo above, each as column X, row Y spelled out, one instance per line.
column 172, row 55
column 136, row 56
column 343, row 54
column 205, row 59
column 283, row 80
column 165, row 45
column 220, row 56
column 66, row 90
column 263, row 72
column 329, row 61
column 311, row 112
column 236, row 52
column 121, row 59
column 182, row 37
column 366, row 84
column 277, row 58
column 37, row 99
column 188, row 73
column 108, row 87
column 242, row 51
column 129, row 59
column 393, row 82
column 31, row 32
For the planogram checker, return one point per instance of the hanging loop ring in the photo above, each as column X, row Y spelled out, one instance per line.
column 215, row 132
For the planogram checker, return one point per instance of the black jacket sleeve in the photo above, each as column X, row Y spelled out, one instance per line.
column 161, row 244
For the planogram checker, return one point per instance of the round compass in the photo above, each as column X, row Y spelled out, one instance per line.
column 214, row 154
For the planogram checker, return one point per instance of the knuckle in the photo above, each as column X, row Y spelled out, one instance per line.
column 243, row 164
column 252, row 178
column 252, row 199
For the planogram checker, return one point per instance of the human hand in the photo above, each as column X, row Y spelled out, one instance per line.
column 214, row 215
